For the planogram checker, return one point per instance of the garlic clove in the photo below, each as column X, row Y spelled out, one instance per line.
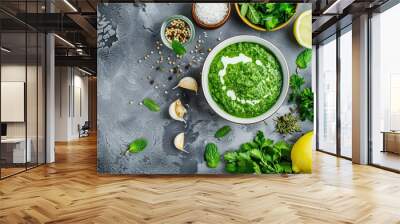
column 188, row 83
column 177, row 111
column 180, row 109
column 179, row 142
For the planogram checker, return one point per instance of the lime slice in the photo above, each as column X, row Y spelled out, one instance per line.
column 302, row 29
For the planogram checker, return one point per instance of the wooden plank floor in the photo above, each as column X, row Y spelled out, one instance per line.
column 70, row 191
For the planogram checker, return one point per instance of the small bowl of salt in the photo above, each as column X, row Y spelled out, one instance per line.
column 211, row 15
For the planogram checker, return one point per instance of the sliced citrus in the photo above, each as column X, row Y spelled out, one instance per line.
column 302, row 29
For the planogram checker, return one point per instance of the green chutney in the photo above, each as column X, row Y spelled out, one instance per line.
column 245, row 79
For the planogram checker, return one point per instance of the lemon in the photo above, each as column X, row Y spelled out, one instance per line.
column 302, row 154
column 302, row 29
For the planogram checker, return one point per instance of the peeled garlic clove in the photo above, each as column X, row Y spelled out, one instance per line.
column 179, row 142
column 180, row 109
column 177, row 111
column 188, row 83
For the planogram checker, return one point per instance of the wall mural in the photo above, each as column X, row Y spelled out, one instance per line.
column 210, row 88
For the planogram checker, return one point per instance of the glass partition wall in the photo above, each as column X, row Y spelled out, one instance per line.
column 22, row 77
column 13, row 90
column 334, row 94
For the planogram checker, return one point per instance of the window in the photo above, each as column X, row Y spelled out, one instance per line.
column 385, row 89
column 334, row 106
column 327, row 97
column 346, row 94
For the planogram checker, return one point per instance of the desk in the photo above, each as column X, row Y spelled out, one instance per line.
column 391, row 141
column 17, row 150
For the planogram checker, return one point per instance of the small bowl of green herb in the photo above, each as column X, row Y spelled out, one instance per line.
column 266, row 16
column 177, row 28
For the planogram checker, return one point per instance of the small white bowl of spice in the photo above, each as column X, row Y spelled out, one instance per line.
column 211, row 15
column 178, row 28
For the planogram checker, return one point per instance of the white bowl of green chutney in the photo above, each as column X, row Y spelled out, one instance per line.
column 245, row 79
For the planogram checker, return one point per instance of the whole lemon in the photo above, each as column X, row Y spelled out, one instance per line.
column 302, row 154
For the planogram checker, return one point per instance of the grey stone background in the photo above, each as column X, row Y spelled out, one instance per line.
column 126, row 33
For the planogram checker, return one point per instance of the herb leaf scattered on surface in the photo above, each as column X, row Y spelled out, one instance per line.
column 211, row 155
column 151, row 105
column 222, row 132
column 303, row 60
column 178, row 48
column 262, row 155
column 137, row 145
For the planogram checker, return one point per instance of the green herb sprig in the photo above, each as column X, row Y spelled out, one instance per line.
column 306, row 105
column 261, row 155
column 303, row 97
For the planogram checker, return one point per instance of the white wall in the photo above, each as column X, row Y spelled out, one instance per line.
column 62, row 81
column 70, row 83
column 79, row 103
column 12, row 101
column 33, row 126
column 17, row 73
column 12, row 73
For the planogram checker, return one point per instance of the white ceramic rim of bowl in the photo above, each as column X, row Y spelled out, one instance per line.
column 285, row 74
column 166, row 23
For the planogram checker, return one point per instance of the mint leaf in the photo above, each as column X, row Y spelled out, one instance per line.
column 137, row 145
column 222, row 132
column 211, row 155
column 178, row 48
column 304, row 59
column 151, row 105
column 253, row 15
column 244, row 8
column 271, row 22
